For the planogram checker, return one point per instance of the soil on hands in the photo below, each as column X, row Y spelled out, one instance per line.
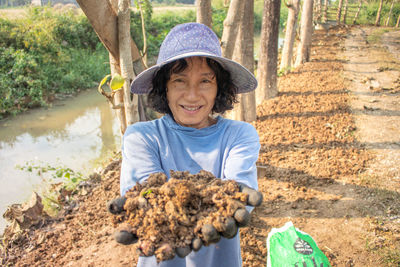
column 166, row 215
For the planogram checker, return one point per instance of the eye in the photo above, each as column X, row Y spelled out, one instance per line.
column 179, row 80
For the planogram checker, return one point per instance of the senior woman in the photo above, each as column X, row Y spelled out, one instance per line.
column 191, row 84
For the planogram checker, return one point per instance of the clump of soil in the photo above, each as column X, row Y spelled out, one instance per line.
column 166, row 215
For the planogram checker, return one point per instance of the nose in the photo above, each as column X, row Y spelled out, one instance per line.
column 192, row 93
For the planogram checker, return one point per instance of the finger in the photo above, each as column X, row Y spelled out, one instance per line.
column 230, row 228
column 197, row 244
column 116, row 205
column 125, row 237
column 242, row 217
column 146, row 248
column 210, row 234
column 165, row 252
column 183, row 252
column 254, row 197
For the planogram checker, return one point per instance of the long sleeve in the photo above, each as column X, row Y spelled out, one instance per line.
column 228, row 149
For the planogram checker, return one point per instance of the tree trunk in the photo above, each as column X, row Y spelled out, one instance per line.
column 102, row 14
column 103, row 19
column 125, row 58
column 346, row 4
column 318, row 10
column 290, row 35
column 267, row 64
column 119, row 95
column 398, row 21
column 245, row 110
column 144, row 35
column 249, row 106
column 358, row 12
column 325, row 16
column 378, row 15
column 390, row 14
column 204, row 14
column 303, row 50
column 231, row 22
column 339, row 12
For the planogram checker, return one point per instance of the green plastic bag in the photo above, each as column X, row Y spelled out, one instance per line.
column 288, row 246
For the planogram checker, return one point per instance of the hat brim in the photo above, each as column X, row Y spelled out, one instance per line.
column 241, row 77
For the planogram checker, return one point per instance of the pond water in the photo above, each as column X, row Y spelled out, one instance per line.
column 77, row 133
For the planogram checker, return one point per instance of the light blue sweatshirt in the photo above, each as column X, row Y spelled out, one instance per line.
column 228, row 149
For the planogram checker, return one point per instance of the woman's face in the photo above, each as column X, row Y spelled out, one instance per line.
column 191, row 94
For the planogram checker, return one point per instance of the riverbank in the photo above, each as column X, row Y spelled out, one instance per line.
column 315, row 170
column 78, row 132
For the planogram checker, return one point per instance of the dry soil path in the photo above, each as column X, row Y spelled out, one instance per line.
column 374, row 78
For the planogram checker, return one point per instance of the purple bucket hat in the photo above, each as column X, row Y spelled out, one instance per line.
column 189, row 40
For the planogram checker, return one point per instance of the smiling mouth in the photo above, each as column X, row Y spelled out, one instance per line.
column 191, row 108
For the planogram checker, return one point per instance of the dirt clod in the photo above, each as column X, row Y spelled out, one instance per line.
column 169, row 215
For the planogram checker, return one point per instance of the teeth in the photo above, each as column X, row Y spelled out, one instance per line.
column 191, row 109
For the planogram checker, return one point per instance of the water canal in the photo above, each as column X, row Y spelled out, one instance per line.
column 77, row 133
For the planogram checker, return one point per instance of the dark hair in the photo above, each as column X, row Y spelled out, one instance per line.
column 226, row 92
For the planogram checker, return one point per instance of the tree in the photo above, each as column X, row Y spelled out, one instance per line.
column 103, row 16
column 378, row 15
column 325, row 16
column 290, row 34
column 358, row 11
column 267, row 64
column 306, row 28
column 245, row 110
column 339, row 11
column 119, row 95
column 346, row 4
column 231, row 22
column 318, row 10
column 246, row 46
column 204, row 13
column 124, row 39
column 390, row 14
column 398, row 21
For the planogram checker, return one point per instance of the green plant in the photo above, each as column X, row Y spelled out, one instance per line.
column 369, row 11
column 218, row 17
column 47, row 54
column 115, row 84
column 62, row 184
column 157, row 28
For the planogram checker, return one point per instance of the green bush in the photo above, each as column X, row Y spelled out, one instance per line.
column 47, row 54
column 218, row 17
column 50, row 53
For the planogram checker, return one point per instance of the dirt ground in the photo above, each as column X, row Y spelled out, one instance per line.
column 329, row 163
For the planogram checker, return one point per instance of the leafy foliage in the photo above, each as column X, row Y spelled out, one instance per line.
column 157, row 28
column 44, row 55
column 51, row 53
